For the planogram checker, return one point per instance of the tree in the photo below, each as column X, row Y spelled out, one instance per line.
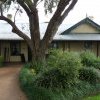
column 38, row 47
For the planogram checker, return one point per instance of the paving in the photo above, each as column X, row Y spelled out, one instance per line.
column 9, row 84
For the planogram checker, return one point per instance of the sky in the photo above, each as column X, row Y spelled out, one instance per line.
column 82, row 9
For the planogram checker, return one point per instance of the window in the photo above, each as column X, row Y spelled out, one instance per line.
column 15, row 48
column 88, row 45
column 54, row 45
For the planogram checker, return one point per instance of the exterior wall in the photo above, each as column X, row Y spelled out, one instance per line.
column 85, row 28
column 71, row 46
column 67, row 45
column 99, row 48
column 24, row 50
column 5, row 46
column 94, row 47
column 78, row 46
column 8, row 57
column 15, row 59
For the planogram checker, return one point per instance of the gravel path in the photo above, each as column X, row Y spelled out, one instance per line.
column 9, row 84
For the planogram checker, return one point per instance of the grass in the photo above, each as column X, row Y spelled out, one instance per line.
column 97, row 97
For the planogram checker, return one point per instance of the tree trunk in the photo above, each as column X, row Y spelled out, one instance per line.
column 38, row 55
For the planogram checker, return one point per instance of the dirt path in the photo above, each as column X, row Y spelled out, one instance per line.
column 9, row 85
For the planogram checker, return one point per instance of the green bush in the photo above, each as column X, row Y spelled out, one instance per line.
column 88, row 58
column 54, row 58
column 37, row 66
column 97, row 63
column 62, row 70
column 53, row 78
column 1, row 61
column 58, row 58
column 90, row 75
column 26, row 77
column 59, row 79
column 33, row 92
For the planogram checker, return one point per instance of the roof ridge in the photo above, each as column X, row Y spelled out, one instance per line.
column 85, row 20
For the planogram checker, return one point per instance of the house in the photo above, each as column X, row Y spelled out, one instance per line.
column 85, row 35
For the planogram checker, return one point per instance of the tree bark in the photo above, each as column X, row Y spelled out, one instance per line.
column 39, row 47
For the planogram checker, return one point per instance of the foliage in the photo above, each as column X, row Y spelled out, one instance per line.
column 90, row 75
column 61, row 71
column 54, row 57
column 97, row 63
column 38, row 66
column 48, row 5
column 26, row 77
column 59, row 58
column 97, row 97
column 1, row 61
column 37, row 46
column 88, row 58
column 62, row 78
column 75, row 92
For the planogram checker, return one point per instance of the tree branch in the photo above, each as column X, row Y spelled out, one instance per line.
column 16, row 30
column 24, row 6
column 65, row 13
column 1, row 10
column 54, row 23
column 15, row 15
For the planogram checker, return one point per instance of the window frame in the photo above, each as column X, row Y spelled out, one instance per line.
column 88, row 45
column 13, row 46
column 54, row 45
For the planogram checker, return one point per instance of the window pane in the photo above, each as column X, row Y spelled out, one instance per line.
column 15, row 48
column 88, row 45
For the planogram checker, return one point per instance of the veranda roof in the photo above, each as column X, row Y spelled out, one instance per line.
column 7, row 34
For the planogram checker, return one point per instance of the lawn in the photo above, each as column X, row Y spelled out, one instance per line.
column 93, row 98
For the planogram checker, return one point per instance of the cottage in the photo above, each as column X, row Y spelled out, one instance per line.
column 84, row 35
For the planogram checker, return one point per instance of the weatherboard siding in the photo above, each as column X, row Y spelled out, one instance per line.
column 78, row 46
column 94, row 47
column 73, row 46
column 24, row 50
column 8, row 57
column 98, row 49
column 15, row 59
column 85, row 28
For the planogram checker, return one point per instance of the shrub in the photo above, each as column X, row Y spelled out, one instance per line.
column 62, row 70
column 97, row 63
column 59, row 80
column 75, row 92
column 88, row 58
column 1, row 61
column 26, row 77
column 51, row 79
column 36, row 65
column 58, row 58
column 54, row 57
column 90, row 75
